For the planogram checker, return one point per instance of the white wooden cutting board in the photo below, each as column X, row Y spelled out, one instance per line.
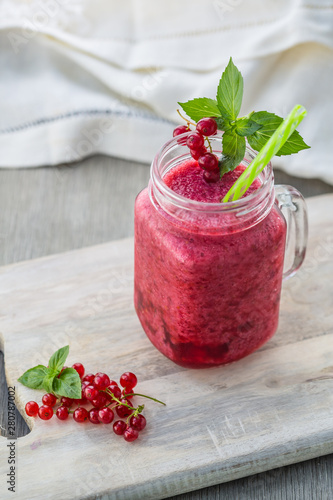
column 270, row 409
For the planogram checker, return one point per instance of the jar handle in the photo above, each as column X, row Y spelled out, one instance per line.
column 293, row 207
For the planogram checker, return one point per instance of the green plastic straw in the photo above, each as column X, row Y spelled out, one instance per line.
column 272, row 146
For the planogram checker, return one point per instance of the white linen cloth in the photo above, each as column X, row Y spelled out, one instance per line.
column 86, row 76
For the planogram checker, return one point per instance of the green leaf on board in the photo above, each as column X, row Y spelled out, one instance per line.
column 68, row 384
column 57, row 360
column 34, row 378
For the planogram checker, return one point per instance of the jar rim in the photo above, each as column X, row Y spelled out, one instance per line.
column 201, row 206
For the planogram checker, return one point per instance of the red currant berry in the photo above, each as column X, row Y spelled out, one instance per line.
column 206, row 126
column 181, row 129
column 131, row 434
column 49, row 399
column 138, row 422
column 66, row 401
column 88, row 378
column 126, row 393
column 31, row 408
column 63, row 368
column 128, row 380
column 113, row 382
column 105, row 415
column 123, row 411
column 80, row 415
column 62, row 413
column 100, row 400
column 195, row 141
column 197, row 153
column 119, row 427
column 209, row 162
column 116, row 391
column 45, row 412
column 101, row 381
column 93, row 416
column 79, row 368
column 90, row 392
column 211, row 176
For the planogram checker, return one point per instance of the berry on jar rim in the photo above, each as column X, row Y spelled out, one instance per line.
column 206, row 126
column 181, row 129
column 209, row 162
column 195, row 141
column 196, row 153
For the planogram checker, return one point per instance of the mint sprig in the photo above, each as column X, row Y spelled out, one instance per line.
column 52, row 379
column 257, row 127
column 230, row 92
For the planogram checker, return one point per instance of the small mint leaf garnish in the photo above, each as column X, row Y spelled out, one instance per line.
column 202, row 107
column 48, row 380
column 61, row 383
column 222, row 124
column 230, row 92
column 34, row 377
column 233, row 151
column 270, row 122
column 68, row 384
column 57, row 360
column 246, row 126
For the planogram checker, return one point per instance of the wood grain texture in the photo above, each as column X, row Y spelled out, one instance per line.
column 54, row 209
column 270, row 409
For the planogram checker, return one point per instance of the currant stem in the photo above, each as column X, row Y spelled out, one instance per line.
column 209, row 144
column 144, row 396
column 118, row 401
column 187, row 121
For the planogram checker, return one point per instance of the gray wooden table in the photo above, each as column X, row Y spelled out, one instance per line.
column 54, row 209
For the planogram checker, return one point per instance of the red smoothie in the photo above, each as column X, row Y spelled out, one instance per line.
column 206, row 297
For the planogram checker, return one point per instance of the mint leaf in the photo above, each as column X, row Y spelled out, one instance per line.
column 68, row 384
column 270, row 123
column 246, row 126
column 48, row 380
column 202, row 107
column 34, row 377
column 233, row 151
column 222, row 124
column 57, row 360
column 230, row 92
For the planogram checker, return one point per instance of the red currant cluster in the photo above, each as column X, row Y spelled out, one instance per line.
column 105, row 396
column 196, row 143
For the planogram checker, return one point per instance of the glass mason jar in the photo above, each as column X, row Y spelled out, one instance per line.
column 208, row 275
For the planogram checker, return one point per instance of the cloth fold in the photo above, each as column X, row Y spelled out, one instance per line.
column 82, row 77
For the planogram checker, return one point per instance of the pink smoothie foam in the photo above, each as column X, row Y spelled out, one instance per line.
column 206, row 299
